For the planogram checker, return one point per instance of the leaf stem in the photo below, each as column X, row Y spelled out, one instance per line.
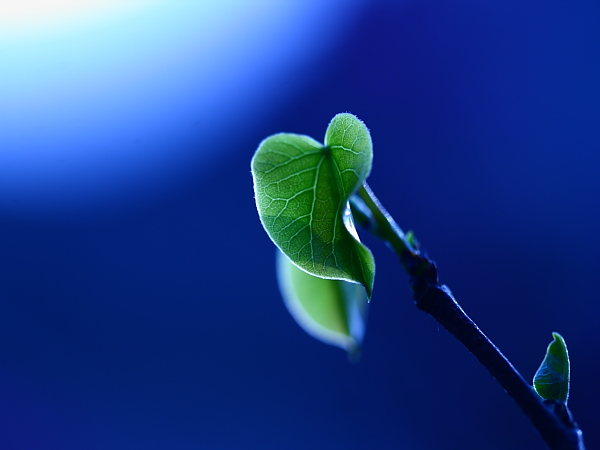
column 373, row 215
column 553, row 421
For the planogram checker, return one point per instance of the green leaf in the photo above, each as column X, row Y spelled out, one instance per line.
column 551, row 381
column 332, row 311
column 302, row 188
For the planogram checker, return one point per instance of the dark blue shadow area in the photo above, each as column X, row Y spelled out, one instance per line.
column 158, row 324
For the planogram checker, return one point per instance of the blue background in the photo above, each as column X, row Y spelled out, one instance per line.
column 138, row 302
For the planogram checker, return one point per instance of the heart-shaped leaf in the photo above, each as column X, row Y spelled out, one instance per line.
column 551, row 381
column 302, row 189
column 332, row 311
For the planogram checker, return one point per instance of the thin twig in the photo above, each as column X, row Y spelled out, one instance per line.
column 554, row 422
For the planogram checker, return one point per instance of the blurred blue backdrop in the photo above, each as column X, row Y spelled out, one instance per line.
column 138, row 302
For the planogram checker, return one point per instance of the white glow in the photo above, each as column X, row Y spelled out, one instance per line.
column 104, row 100
column 18, row 16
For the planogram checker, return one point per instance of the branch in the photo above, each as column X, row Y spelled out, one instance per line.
column 553, row 420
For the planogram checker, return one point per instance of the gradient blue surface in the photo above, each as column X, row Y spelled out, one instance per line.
column 139, row 306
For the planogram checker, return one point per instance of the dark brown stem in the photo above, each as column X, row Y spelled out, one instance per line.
column 553, row 421
column 558, row 430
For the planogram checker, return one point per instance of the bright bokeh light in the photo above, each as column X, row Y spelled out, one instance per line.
column 104, row 101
